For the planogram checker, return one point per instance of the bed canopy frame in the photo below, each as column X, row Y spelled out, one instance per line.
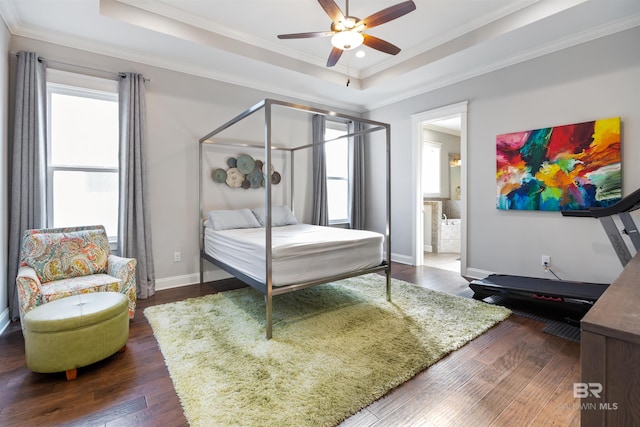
column 266, row 287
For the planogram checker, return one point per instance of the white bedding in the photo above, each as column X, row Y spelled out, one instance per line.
column 300, row 253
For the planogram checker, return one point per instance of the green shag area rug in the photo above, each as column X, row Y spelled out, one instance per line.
column 335, row 349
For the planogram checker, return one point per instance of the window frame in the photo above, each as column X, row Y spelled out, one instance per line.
column 346, row 127
column 436, row 145
column 71, row 84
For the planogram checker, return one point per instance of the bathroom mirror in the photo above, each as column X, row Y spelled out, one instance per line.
column 454, row 176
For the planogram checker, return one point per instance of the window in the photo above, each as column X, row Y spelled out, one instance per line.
column 82, row 153
column 338, row 156
column 431, row 169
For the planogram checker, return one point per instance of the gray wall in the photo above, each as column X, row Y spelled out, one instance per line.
column 594, row 80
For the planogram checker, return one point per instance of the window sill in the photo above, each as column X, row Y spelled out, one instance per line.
column 339, row 224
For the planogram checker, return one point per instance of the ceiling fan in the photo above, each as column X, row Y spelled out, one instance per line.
column 348, row 31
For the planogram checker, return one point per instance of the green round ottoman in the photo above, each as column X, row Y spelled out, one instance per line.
column 76, row 331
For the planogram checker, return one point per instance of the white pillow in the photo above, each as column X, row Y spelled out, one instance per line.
column 280, row 215
column 230, row 219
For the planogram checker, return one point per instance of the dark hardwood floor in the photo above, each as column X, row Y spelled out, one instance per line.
column 513, row 375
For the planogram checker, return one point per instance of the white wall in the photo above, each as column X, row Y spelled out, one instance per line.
column 594, row 80
column 4, row 174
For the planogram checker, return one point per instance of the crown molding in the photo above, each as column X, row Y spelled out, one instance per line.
column 450, row 35
column 160, row 62
column 546, row 49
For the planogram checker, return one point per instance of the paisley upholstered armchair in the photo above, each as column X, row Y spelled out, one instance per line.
column 59, row 262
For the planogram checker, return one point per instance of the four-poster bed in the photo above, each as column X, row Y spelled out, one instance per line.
column 239, row 250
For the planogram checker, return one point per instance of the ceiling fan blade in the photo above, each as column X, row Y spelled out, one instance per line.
column 334, row 56
column 332, row 9
column 389, row 14
column 381, row 45
column 306, row 35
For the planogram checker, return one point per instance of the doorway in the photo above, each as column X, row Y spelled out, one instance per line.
column 440, row 215
column 442, row 192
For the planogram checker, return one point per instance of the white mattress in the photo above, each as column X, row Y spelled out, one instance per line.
column 300, row 253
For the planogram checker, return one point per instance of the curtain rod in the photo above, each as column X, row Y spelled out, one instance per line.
column 119, row 74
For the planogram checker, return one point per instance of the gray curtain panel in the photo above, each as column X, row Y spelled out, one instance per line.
column 134, row 225
column 320, row 214
column 27, row 207
column 357, row 180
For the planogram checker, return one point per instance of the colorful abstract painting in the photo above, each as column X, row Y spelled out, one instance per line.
column 567, row 167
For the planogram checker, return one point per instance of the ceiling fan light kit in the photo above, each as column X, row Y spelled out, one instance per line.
column 347, row 32
column 347, row 40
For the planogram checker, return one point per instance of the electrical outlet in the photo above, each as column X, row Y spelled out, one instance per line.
column 177, row 257
column 546, row 261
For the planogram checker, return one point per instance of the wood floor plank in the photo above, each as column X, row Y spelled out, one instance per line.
column 575, row 421
column 561, row 365
column 170, row 416
column 521, row 369
column 527, row 405
column 432, row 389
column 562, row 407
column 535, row 396
column 114, row 412
column 360, row 419
column 519, row 333
column 458, row 401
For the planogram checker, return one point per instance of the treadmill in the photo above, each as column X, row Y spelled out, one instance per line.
column 572, row 295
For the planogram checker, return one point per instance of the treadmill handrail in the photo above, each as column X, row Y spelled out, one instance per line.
column 626, row 204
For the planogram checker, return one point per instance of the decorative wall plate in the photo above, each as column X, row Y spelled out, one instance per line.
column 245, row 164
column 234, row 178
column 219, row 175
column 255, row 178
column 232, row 162
column 275, row 178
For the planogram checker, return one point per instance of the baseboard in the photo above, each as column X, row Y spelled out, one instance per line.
column 402, row 259
column 476, row 273
column 4, row 320
column 177, row 281
column 428, row 248
column 190, row 279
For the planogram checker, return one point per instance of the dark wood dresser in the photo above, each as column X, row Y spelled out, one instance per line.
column 610, row 354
